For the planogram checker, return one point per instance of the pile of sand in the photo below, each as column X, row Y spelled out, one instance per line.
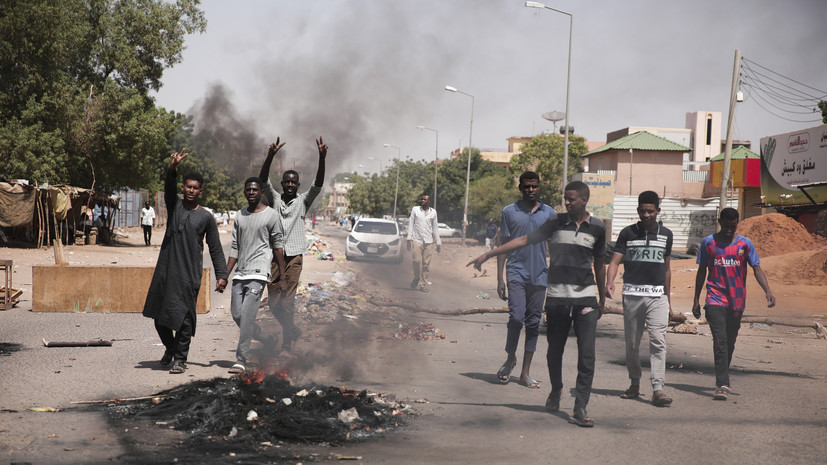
column 777, row 234
column 808, row 268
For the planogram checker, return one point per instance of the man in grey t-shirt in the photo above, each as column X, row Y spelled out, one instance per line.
column 258, row 238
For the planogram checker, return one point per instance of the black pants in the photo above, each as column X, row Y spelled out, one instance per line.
column 179, row 342
column 560, row 320
column 147, row 233
column 724, row 325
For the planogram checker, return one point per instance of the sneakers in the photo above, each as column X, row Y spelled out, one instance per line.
column 721, row 393
column 238, row 368
column 553, row 401
column 423, row 288
column 659, row 399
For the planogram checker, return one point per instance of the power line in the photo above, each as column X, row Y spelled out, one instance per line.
column 824, row 93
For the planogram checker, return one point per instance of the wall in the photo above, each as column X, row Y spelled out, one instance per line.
column 100, row 289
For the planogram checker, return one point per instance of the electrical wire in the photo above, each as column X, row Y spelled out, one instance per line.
column 782, row 96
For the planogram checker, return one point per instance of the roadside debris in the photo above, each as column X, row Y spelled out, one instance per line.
column 821, row 332
column 418, row 332
column 92, row 343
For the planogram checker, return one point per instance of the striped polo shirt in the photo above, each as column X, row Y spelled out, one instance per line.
column 572, row 249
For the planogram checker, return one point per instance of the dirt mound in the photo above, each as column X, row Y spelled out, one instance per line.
column 807, row 268
column 777, row 234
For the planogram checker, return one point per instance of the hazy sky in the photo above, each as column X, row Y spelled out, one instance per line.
column 363, row 73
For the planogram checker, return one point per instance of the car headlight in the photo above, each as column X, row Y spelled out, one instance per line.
column 352, row 239
column 394, row 242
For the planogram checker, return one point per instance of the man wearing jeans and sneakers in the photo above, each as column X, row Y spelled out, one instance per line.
column 645, row 248
column 726, row 256
column 258, row 239
column 576, row 294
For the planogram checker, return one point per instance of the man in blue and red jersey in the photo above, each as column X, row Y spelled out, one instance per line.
column 726, row 256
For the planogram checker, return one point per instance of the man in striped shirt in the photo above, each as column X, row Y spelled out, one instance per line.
column 257, row 241
column 292, row 208
column 576, row 294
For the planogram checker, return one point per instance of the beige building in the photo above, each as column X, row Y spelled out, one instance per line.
column 338, row 203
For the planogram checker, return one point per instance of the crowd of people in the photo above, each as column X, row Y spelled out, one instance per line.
column 547, row 262
column 555, row 262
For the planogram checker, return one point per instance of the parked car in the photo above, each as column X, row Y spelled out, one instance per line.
column 373, row 238
column 447, row 231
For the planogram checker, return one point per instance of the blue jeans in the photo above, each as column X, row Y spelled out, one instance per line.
column 724, row 325
column 560, row 320
column 525, row 307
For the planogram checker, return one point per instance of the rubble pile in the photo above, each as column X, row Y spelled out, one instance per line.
column 777, row 234
column 269, row 409
column 418, row 332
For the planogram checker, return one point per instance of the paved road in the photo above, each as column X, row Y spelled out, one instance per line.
column 777, row 414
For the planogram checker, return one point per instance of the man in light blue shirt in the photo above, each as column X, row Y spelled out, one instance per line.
column 526, row 277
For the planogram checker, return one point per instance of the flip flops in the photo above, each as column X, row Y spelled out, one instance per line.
column 504, row 373
column 530, row 383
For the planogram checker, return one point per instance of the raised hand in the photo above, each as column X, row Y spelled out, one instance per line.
column 177, row 157
column 275, row 147
column 322, row 147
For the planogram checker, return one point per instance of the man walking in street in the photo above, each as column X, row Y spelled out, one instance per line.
column 257, row 241
column 526, row 277
column 292, row 207
column 423, row 236
column 645, row 248
column 490, row 234
column 725, row 255
column 576, row 295
column 177, row 279
column 147, row 221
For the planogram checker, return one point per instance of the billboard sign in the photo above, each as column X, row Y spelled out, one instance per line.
column 791, row 159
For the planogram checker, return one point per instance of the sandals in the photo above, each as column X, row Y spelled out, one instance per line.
column 167, row 358
column 632, row 393
column 178, row 367
column 504, row 373
column 580, row 418
column 530, row 383
column 721, row 393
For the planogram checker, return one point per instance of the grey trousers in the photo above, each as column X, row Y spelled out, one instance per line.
column 654, row 312
column 246, row 296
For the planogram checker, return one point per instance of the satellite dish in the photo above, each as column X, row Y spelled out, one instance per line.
column 554, row 117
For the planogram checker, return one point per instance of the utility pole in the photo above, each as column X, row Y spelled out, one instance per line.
column 730, row 119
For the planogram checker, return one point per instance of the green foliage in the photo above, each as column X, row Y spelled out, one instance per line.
column 74, row 77
column 543, row 154
column 822, row 105
column 373, row 195
column 489, row 196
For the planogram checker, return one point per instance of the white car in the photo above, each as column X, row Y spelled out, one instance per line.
column 447, row 231
column 376, row 239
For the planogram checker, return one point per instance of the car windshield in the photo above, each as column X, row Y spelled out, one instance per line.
column 375, row 227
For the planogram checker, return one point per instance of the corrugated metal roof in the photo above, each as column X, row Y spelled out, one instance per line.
column 738, row 153
column 642, row 141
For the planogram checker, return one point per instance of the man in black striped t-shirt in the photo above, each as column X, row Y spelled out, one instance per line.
column 576, row 295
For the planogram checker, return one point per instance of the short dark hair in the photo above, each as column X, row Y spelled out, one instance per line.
column 648, row 197
column 254, row 179
column 729, row 213
column 529, row 175
column 580, row 187
column 195, row 176
column 288, row 172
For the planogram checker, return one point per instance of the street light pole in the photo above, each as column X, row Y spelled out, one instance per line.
column 436, row 157
column 396, row 192
column 468, row 170
column 568, row 82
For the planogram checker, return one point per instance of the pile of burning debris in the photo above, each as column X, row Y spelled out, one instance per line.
column 266, row 409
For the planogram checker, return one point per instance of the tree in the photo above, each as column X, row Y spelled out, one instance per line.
column 822, row 105
column 489, row 196
column 74, row 78
column 543, row 154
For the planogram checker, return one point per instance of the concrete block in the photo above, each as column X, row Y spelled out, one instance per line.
column 100, row 289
